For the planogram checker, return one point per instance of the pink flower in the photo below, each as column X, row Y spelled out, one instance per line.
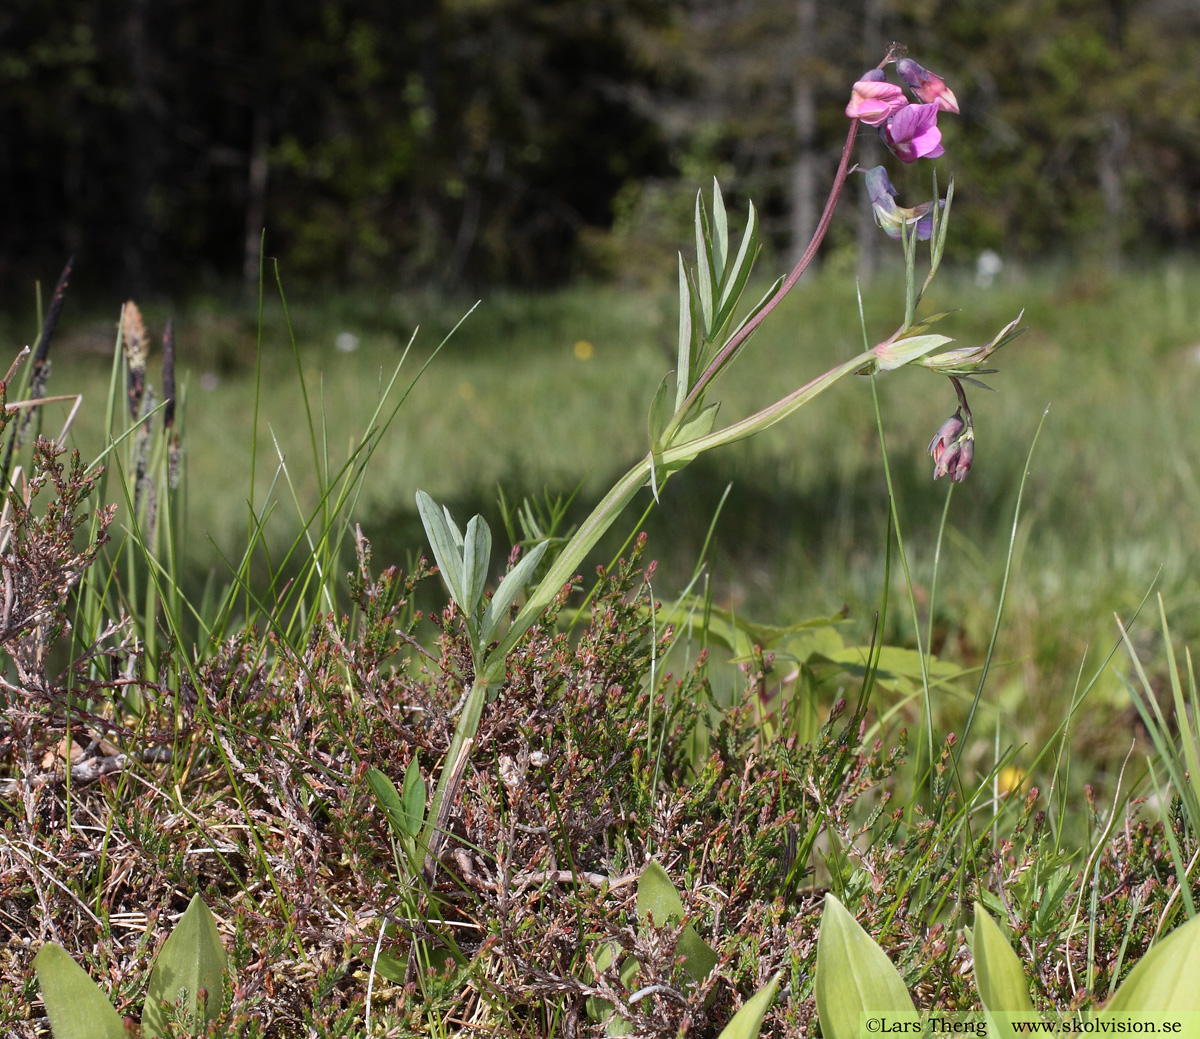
column 929, row 88
column 874, row 102
column 912, row 133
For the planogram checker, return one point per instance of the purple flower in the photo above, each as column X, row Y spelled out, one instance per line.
column 873, row 101
column 953, row 448
column 912, row 133
column 927, row 86
column 891, row 217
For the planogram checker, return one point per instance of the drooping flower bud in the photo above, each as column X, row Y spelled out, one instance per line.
column 873, row 101
column 912, row 133
column 953, row 447
column 891, row 217
column 928, row 87
column 946, row 435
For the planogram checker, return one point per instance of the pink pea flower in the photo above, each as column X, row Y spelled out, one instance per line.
column 873, row 100
column 928, row 87
column 912, row 133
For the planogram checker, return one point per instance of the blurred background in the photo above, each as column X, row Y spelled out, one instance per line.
column 468, row 143
column 408, row 158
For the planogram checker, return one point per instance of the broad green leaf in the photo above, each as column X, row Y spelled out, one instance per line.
column 477, row 555
column 413, row 800
column 510, row 588
column 746, row 1023
column 389, row 800
column 854, row 975
column 1165, row 981
column 192, row 958
column 77, row 1007
column 446, row 553
column 657, row 899
column 998, row 973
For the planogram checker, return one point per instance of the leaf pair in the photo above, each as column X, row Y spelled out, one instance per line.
column 187, row 984
column 855, row 977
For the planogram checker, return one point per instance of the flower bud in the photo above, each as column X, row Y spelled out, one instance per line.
column 953, row 447
column 946, row 435
column 928, row 88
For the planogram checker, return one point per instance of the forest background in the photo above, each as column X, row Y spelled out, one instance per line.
column 462, row 143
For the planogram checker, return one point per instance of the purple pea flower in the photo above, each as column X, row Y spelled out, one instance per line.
column 873, row 101
column 891, row 217
column 928, row 87
column 953, row 446
column 912, row 133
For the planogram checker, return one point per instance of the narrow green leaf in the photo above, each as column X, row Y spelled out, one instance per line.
column 854, row 975
column 683, row 364
column 510, row 588
column 739, row 273
column 747, row 1022
column 1164, row 982
column 455, row 533
column 192, row 958
column 704, row 278
column 998, row 973
column 720, row 235
column 413, row 799
column 477, row 556
column 447, row 552
column 77, row 1007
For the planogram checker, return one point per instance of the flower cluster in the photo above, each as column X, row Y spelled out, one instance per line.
column 909, row 130
column 953, row 446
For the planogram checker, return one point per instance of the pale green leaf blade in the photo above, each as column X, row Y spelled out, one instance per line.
column 903, row 351
column 746, row 1023
column 683, row 364
column 739, row 273
column 1164, row 981
column 192, row 958
column 999, row 975
column 704, row 279
column 446, row 552
column 720, row 236
column 77, row 1007
column 510, row 588
column 477, row 556
column 854, row 975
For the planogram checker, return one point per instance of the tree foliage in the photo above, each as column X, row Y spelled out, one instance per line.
column 484, row 140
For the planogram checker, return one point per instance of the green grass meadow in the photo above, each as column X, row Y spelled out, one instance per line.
column 598, row 747
column 550, row 393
